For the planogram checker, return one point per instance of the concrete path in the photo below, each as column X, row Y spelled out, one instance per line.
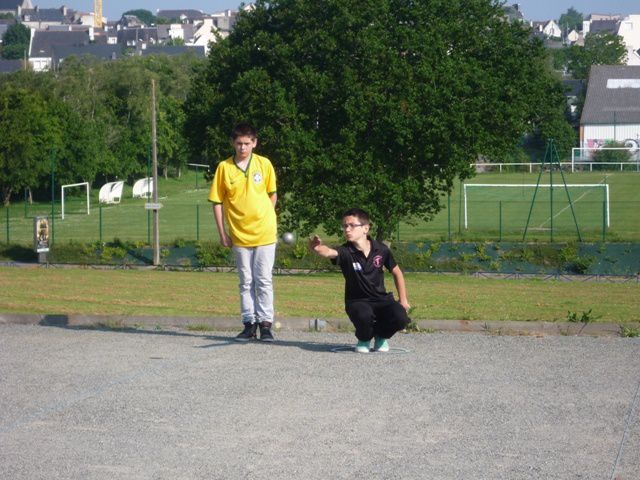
column 80, row 403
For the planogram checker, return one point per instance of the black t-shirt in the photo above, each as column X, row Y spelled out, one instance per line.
column 364, row 276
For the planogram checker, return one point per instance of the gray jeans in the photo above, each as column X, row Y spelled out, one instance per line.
column 255, row 266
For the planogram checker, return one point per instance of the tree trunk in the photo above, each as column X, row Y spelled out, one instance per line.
column 6, row 196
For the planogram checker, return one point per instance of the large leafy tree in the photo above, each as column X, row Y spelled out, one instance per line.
column 571, row 20
column 28, row 131
column 599, row 49
column 374, row 103
column 15, row 42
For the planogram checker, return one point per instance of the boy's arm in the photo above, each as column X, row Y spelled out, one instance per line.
column 398, row 279
column 321, row 249
column 274, row 199
column 218, row 214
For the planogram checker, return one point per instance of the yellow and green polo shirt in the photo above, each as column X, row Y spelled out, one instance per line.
column 245, row 199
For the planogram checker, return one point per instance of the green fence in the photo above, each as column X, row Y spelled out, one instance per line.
column 486, row 220
column 490, row 214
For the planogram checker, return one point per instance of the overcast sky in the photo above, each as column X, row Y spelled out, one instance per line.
column 532, row 9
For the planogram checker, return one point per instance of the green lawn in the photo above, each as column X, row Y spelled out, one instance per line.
column 202, row 294
column 493, row 214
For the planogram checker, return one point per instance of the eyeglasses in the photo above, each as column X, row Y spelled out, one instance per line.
column 347, row 226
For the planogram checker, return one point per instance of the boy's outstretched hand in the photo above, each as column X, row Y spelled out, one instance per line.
column 314, row 242
column 316, row 245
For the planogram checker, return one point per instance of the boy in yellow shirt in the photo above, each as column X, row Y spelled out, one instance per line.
column 243, row 193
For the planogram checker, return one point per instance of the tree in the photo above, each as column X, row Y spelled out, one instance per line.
column 571, row 20
column 145, row 16
column 28, row 133
column 599, row 49
column 381, row 104
column 611, row 156
column 15, row 42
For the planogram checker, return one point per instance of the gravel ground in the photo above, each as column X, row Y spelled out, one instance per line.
column 79, row 403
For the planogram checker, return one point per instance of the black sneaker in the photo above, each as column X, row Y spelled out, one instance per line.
column 248, row 333
column 265, row 332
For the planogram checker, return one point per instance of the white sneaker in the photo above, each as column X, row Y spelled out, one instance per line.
column 381, row 345
column 362, row 347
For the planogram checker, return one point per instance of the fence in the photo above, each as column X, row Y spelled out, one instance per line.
column 186, row 215
column 574, row 166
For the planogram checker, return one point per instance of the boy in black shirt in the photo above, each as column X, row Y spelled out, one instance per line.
column 372, row 310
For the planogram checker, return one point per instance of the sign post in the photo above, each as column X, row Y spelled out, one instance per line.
column 41, row 232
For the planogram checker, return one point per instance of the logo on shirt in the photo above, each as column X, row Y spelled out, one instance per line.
column 257, row 177
column 377, row 261
column 357, row 267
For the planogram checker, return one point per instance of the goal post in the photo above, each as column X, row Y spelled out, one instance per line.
column 73, row 185
column 604, row 186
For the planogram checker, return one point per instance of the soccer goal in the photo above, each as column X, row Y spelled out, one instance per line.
column 513, row 194
column 64, row 188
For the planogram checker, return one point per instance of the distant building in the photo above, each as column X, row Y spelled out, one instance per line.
column 14, row 6
column 630, row 33
column 612, row 106
column 548, row 28
column 181, row 16
column 43, row 42
column 597, row 22
column 512, row 13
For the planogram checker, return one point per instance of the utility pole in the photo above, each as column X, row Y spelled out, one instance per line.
column 154, row 154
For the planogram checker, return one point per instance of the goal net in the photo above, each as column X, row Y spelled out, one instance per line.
column 492, row 206
column 74, row 199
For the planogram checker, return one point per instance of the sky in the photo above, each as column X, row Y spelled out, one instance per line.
column 532, row 9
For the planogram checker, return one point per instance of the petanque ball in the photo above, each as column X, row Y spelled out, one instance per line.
column 288, row 237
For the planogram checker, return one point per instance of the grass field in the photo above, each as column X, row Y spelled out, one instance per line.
column 493, row 214
column 202, row 294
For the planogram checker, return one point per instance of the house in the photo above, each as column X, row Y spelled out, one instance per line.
column 41, row 49
column 225, row 20
column 138, row 38
column 611, row 109
column 549, row 28
column 101, row 51
column 574, row 37
column 598, row 23
column 206, row 34
column 181, row 16
column 130, row 21
column 512, row 13
column 174, row 31
column 41, row 18
column 14, row 6
column 629, row 31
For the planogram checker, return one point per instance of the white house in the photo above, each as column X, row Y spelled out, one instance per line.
column 630, row 32
column 612, row 106
column 598, row 18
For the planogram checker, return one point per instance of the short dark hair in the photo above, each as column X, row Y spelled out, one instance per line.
column 362, row 216
column 243, row 130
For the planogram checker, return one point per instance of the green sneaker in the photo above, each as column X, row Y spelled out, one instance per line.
column 362, row 346
column 381, row 345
